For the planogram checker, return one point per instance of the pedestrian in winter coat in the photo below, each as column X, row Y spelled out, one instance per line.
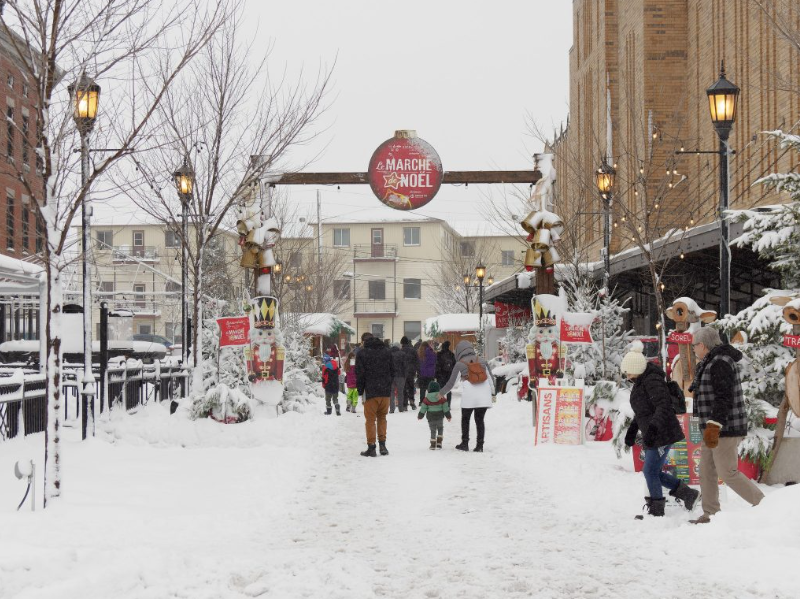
column 330, row 382
column 477, row 391
column 427, row 367
column 445, row 362
column 654, row 415
column 351, row 383
column 436, row 408
column 399, row 381
column 374, row 373
column 412, row 366
column 719, row 404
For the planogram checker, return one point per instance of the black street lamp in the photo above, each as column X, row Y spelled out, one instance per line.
column 85, row 95
column 604, row 177
column 184, row 183
column 480, row 273
column 723, row 98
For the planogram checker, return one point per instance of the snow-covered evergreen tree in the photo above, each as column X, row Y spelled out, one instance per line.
column 301, row 373
column 608, row 328
column 516, row 338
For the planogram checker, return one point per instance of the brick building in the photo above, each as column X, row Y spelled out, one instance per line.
column 19, row 234
column 638, row 75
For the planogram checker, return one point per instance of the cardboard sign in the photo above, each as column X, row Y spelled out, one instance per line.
column 792, row 341
column 680, row 338
column 576, row 328
column 559, row 415
column 234, row 331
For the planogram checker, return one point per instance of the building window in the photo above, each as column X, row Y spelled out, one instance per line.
column 26, row 146
column 145, row 329
column 26, row 214
column 173, row 287
column 412, row 329
column 341, row 237
column 104, row 240
column 508, row 257
column 410, row 235
column 39, row 235
column 10, row 134
column 138, row 239
column 171, row 239
column 10, row 80
column 341, row 289
column 138, row 295
column 467, row 248
column 377, row 330
column 296, row 259
column 412, row 288
column 25, row 89
column 377, row 290
column 107, row 286
column 10, row 218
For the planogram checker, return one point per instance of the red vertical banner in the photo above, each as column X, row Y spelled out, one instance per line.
column 234, row 331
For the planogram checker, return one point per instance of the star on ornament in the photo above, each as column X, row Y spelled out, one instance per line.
column 391, row 180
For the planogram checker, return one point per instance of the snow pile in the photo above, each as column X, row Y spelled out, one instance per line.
column 456, row 323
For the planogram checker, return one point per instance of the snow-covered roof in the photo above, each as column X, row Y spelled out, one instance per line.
column 18, row 267
column 457, row 323
column 320, row 323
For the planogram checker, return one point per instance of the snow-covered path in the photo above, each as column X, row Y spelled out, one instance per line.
column 160, row 507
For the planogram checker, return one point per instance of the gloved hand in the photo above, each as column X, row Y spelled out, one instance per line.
column 630, row 439
column 711, row 434
column 650, row 436
column 449, row 419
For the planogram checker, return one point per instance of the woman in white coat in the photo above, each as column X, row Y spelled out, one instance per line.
column 477, row 391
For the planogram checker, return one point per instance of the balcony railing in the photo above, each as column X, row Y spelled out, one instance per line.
column 131, row 253
column 366, row 251
column 375, row 307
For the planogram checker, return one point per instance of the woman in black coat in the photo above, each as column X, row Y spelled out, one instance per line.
column 654, row 416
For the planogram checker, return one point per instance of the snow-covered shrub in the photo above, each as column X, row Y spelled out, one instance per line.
column 223, row 404
column 514, row 342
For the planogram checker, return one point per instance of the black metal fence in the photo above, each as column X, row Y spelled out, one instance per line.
column 23, row 404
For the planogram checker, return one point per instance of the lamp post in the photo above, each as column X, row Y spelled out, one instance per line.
column 722, row 101
column 480, row 273
column 85, row 94
column 184, row 182
column 604, row 177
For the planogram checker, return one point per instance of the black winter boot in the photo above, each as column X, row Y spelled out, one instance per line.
column 413, row 406
column 370, row 452
column 439, row 440
column 384, row 451
column 433, row 444
column 328, row 411
column 479, row 447
column 655, row 507
column 338, row 412
column 687, row 495
column 463, row 446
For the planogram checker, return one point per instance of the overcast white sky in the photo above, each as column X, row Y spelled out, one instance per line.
column 464, row 74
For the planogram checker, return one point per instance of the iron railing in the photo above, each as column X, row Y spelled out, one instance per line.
column 23, row 404
column 367, row 251
column 375, row 307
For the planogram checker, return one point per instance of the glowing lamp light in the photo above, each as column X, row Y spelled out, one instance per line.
column 723, row 97
column 184, row 178
column 85, row 95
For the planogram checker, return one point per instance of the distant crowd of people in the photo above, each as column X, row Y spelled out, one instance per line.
column 386, row 377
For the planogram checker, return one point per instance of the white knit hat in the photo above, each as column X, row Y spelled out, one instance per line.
column 634, row 362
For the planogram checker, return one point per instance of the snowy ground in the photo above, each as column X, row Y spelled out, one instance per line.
column 164, row 507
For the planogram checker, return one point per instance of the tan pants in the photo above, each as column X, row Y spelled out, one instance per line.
column 376, row 408
column 722, row 463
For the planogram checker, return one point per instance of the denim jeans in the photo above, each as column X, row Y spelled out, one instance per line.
column 654, row 475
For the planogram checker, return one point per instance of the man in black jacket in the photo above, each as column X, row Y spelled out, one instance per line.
column 374, row 374
column 412, row 365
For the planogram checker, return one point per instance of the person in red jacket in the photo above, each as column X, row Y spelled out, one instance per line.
column 330, row 382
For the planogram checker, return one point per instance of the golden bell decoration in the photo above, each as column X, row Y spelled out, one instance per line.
column 544, row 229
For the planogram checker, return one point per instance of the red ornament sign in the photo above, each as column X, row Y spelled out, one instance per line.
column 405, row 172
column 680, row 338
column 504, row 314
column 575, row 332
column 234, row 331
column 792, row 341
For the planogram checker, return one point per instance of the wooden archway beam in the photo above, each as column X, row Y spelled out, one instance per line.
column 449, row 177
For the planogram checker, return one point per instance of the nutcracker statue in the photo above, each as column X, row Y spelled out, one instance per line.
column 544, row 352
column 264, row 356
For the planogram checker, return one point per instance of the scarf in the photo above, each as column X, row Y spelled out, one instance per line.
column 698, row 370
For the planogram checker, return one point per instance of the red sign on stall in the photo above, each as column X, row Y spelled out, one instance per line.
column 234, row 331
column 405, row 172
column 576, row 331
column 680, row 338
column 504, row 314
column 791, row 341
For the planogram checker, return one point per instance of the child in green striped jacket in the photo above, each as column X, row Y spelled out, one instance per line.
column 436, row 409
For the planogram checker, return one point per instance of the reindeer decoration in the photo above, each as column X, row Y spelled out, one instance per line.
column 685, row 312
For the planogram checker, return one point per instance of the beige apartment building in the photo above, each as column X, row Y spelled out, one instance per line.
column 393, row 275
column 137, row 267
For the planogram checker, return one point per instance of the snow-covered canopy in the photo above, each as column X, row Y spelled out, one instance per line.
column 320, row 323
column 18, row 267
column 456, row 323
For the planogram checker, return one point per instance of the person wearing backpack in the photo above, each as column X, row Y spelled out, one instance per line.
column 654, row 415
column 330, row 382
column 477, row 391
column 445, row 362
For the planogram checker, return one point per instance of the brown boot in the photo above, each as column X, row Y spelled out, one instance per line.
column 433, row 444
column 439, row 442
column 704, row 519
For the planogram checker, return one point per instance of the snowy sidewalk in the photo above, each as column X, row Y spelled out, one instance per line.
column 159, row 507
